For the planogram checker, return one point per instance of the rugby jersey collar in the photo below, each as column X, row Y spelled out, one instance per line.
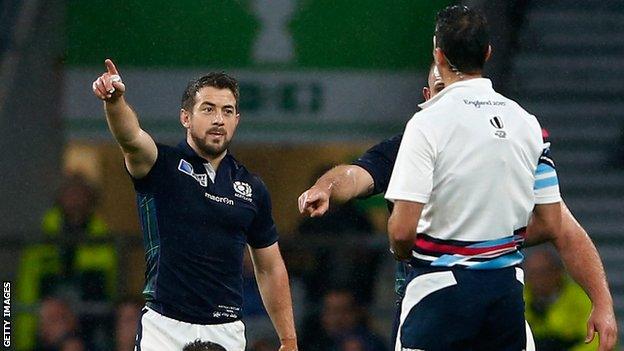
column 479, row 83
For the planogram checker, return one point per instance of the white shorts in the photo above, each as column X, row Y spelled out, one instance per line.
column 159, row 333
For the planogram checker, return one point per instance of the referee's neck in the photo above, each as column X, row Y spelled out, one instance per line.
column 453, row 77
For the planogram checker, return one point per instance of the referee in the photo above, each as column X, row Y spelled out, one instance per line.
column 464, row 180
column 199, row 209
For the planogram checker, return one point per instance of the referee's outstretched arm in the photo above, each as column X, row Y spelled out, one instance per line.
column 138, row 147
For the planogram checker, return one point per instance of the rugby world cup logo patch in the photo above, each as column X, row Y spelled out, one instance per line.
column 187, row 168
column 242, row 189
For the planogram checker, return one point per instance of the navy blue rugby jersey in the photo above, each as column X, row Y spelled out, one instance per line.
column 195, row 231
column 379, row 160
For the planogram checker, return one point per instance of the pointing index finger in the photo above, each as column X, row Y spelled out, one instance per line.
column 110, row 67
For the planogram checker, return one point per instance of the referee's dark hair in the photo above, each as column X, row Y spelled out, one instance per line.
column 462, row 34
column 199, row 345
column 218, row 80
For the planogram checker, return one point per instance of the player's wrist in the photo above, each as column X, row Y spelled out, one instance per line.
column 325, row 186
column 115, row 100
column 289, row 344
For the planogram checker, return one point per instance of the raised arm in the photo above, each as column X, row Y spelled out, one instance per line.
column 275, row 291
column 582, row 261
column 341, row 183
column 138, row 147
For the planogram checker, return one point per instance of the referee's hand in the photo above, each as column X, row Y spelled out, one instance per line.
column 109, row 86
column 314, row 202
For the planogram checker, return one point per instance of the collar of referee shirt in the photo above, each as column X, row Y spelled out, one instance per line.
column 474, row 82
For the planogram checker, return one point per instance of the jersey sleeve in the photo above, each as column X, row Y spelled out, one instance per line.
column 150, row 183
column 262, row 232
column 412, row 176
column 379, row 160
column 546, row 187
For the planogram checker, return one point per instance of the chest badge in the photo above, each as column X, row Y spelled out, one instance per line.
column 187, row 168
column 242, row 190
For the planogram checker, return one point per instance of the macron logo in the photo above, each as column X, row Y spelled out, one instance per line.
column 187, row 168
column 219, row 199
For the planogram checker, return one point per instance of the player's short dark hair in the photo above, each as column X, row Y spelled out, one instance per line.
column 199, row 345
column 218, row 80
column 462, row 34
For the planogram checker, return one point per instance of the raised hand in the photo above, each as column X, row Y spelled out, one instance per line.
column 109, row 86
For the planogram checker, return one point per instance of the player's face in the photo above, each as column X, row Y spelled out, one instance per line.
column 212, row 122
column 435, row 84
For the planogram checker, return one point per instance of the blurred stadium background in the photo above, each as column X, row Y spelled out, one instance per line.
column 320, row 82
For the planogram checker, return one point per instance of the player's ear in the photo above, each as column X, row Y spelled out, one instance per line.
column 185, row 118
column 488, row 54
column 426, row 93
column 439, row 58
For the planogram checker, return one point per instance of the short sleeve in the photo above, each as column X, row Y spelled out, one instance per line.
column 379, row 160
column 412, row 176
column 262, row 232
column 546, row 187
column 150, row 182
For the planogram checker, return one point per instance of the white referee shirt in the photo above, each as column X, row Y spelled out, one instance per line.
column 471, row 157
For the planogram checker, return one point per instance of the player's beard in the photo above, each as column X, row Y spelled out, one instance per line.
column 211, row 149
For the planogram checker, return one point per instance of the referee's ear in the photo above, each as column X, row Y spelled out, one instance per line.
column 185, row 118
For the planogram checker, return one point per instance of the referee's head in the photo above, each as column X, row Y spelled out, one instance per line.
column 461, row 40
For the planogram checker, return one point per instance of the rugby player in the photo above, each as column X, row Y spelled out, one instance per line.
column 199, row 209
